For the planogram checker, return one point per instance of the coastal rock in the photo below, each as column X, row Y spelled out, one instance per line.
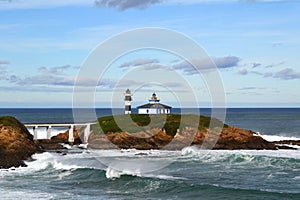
column 64, row 137
column 16, row 143
column 230, row 138
column 47, row 144
column 287, row 144
column 124, row 140
column 236, row 138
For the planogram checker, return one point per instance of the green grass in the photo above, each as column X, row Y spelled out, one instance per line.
column 8, row 121
column 171, row 122
column 12, row 122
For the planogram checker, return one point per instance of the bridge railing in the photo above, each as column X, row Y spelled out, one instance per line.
column 71, row 127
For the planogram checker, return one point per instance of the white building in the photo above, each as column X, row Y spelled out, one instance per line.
column 154, row 107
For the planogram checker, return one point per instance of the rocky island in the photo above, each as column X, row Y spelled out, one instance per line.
column 171, row 132
column 143, row 132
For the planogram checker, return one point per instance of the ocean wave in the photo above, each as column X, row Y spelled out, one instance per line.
column 112, row 173
column 259, row 158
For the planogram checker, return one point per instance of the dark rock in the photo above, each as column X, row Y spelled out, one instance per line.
column 283, row 144
column 49, row 145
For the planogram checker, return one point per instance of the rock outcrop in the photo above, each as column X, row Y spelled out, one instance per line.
column 16, row 143
column 230, row 138
column 153, row 139
column 235, row 138
column 55, row 143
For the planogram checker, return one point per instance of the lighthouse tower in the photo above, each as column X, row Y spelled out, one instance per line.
column 128, row 99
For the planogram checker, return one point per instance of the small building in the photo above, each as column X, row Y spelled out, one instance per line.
column 154, row 107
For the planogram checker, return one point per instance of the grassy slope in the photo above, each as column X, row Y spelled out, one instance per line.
column 12, row 122
column 171, row 122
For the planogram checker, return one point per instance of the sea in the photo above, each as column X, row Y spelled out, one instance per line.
column 192, row 173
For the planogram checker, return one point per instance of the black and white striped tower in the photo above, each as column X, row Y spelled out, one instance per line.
column 128, row 99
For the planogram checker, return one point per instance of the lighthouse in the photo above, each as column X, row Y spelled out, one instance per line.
column 128, row 99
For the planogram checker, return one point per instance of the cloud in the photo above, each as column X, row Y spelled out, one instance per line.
column 45, row 76
column 287, row 74
column 129, row 83
column 284, row 74
column 53, row 77
column 3, row 73
column 122, row 5
column 155, row 67
column 207, row 64
column 4, row 62
column 12, row 79
column 60, row 70
column 138, row 62
column 43, row 88
column 46, row 79
column 226, row 62
column 268, row 74
column 277, row 44
column 257, row 73
column 144, row 64
column 243, row 72
column 263, row 74
column 252, row 88
column 62, row 80
column 254, row 65
column 274, row 65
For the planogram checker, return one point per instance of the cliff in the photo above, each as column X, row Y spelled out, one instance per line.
column 16, row 143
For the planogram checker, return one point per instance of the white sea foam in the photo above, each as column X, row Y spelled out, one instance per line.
column 66, row 146
column 290, row 145
column 46, row 160
column 245, row 155
column 25, row 194
column 191, row 150
column 112, row 173
column 274, row 138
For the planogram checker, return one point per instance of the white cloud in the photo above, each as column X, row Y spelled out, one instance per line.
column 126, row 4
column 4, row 62
column 254, row 65
column 59, row 70
column 243, row 71
column 139, row 62
column 287, row 74
column 207, row 64
column 3, row 73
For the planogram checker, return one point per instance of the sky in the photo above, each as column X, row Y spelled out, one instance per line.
column 254, row 46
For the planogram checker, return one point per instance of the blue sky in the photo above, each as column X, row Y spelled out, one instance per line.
column 255, row 45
